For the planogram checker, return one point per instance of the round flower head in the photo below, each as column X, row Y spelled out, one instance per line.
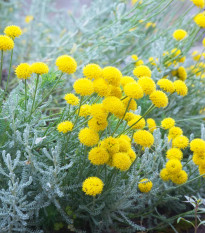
column 23, row 71
column 197, row 145
column 181, row 73
column 114, row 105
column 199, row 19
column 39, row 68
column 97, row 125
column 141, row 71
column 98, row 111
column 145, row 185
column 151, row 124
column 174, row 153
column 124, row 144
column 92, row 71
column 125, row 137
column 199, row 158
column 159, row 99
column 98, row 156
column 115, row 91
column 83, row 87
column 180, row 142
column 180, row 177
column 112, row 75
column 125, row 80
column 168, row 123
column 28, row 18
column 180, row 88
column 85, row 110
column 164, row 174
column 92, row 186
column 13, row 31
column 121, row 161
column 179, row 34
column 129, row 116
column 166, row 85
column 66, row 64
column 132, row 155
column 173, row 166
column 88, row 137
column 174, row 132
column 147, row 84
column 202, row 170
column 132, row 104
column 71, row 99
column 199, row 3
column 101, row 87
column 6, row 43
column 144, row 138
column 111, row 145
column 65, row 127
column 133, row 90
column 137, row 122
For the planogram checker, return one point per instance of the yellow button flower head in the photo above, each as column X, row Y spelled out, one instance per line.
column 141, row 71
column 140, row 122
column 199, row 158
column 111, row 145
column 174, row 153
column 112, row 75
column 132, row 104
column 164, row 174
column 65, row 127
column 97, row 125
column 133, row 90
column 159, row 99
column 179, row 34
column 126, row 79
column 148, row 85
column 98, row 156
column 101, row 87
column 71, row 99
column 197, row 145
column 13, row 31
column 83, row 87
column 85, row 110
column 199, row 3
column 145, row 185
column 121, row 161
column 39, row 68
column 174, row 132
column 173, row 166
column 180, row 142
column 166, row 85
column 66, row 64
column 168, row 123
column 181, row 73
column 98, row 111
column 28, row 18
column 129, row 116
column 132, row 155
column 88, row 137
column 199, row 19
column 92, row 71
column 115, row 91
column 151, row 124
column 180, row 177
column 180, row 87
column 6, row 43
column 92, row 186
column 143, row 138
column 125, row 145
column 202, row 169
column 23, row 71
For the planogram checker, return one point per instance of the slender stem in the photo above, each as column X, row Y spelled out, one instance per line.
column 7, row 83
column 34, row 96
column 2, row 54
column 25, row 85
column 81, row 100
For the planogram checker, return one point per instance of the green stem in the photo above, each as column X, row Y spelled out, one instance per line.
column 25, row 85
column 81, row 100
column 7, row 83
column 2, row 54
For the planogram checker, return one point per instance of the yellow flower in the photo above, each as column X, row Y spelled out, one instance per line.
column 39, row 68
column 143, row 138
column 133, row 90
column 124, row 144
column 141, row 71
column 179, row 34
column 174, row 132
column 88, row 137
column 132, row 104
column 168, row 123
column 145, row 185
column 111, row 145
column 71, row 99
column 164, row 174
column 85, row 110
column 98, row 156
column 131, row 153
column 121, row 161
column 98, row 111
column 101, row 87
column 180, row 177
column 65, row 127
column 139, row 125
column 92, row 71
column 6, row 43
column 199, row 158
column 13, row 31
column 159, row 99
column 129, row 116
column 83, row 87
column 134, row 57
column 166, row 85
column 139, row 63
column 199, row 3
column 180, row 88
column 151, row 124
column 173, row 166
column 197, row 145
column 180, row 142
column 174, row 153
column 66, row 64
column 28, row 18
column 112, row 75
column 199, row 19
column 125, row 80
column 97, row 125
column 147, row 84
column 181, row 73
column 202, row 170
column 23, row 71
column 115, row 91
column 92, row 186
